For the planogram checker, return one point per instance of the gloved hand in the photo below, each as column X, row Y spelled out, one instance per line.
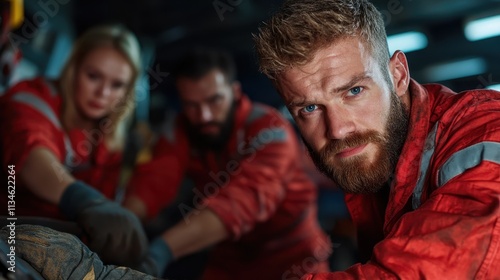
column 158, row 258
column 113, row 232
column 58, row 255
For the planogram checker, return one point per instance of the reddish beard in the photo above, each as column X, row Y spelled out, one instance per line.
column 357, row 174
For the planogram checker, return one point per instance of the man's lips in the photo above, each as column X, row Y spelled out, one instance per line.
column 351, row 151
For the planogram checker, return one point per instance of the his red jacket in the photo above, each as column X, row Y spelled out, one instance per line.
column 256, row 186
column 441, row 219
column 30, row 118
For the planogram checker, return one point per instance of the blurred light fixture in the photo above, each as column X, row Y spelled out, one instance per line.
column 455, row 69
column 407, row 41
column 494, row 87
column 482, row 28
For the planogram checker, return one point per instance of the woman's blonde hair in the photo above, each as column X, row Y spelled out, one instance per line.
column 124, row 42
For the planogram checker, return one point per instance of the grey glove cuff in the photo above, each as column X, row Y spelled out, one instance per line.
column 158, row 258
column 77, row 197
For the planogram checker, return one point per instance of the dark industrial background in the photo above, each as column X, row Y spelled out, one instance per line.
column 167, row 28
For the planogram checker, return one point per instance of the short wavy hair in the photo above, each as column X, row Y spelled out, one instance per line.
column 301, row 27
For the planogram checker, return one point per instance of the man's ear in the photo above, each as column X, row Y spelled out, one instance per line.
column 398, row 67
column 237, row 91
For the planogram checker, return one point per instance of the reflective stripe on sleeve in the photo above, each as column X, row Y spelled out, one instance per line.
column 267, row 136
column 38, row 104
column 42, row 107
column 256, row 112
column 430, row 144
column 467, row 158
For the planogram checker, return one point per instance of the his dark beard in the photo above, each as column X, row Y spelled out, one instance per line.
column 355, row 174
column 217, row 142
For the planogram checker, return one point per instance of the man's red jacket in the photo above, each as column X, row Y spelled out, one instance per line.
column 256, row 186
column 441, row 219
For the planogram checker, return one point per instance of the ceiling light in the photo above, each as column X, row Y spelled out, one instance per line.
column 494, row 87
column 482, row 28
column 455, row 69
column 407, row 41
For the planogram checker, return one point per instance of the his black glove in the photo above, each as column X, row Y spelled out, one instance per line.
column 58, row 255
column 158, row 258
column 113, row 232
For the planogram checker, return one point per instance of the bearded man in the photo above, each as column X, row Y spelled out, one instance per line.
column 420, row 164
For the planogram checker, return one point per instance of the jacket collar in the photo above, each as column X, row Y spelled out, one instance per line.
column 407, row 170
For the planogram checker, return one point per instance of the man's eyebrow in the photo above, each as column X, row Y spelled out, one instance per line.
column 300, row 103
column 356, row 79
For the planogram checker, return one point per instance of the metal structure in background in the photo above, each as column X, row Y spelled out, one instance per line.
column 177, row 25
column 11, row 16
column 174, row 26
column 44, row 38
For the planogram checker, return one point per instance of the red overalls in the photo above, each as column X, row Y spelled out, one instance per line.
column 256, row 186
column 30, row 118
column 442, row 218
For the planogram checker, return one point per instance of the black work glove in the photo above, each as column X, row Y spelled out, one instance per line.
column 113, row 232
column 58, row 255
column 158, row 258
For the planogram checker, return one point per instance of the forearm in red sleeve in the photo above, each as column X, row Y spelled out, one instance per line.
column 255, row 189
column 20, row 134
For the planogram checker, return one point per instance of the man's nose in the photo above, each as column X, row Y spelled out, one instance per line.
column 206, row 114
column 339, row 123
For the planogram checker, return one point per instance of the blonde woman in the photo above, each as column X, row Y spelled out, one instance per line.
column 63, row 140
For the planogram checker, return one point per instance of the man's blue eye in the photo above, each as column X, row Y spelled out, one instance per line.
column 355, row 90
column 310, row 108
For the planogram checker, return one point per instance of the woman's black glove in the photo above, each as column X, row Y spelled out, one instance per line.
column 113, row 232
